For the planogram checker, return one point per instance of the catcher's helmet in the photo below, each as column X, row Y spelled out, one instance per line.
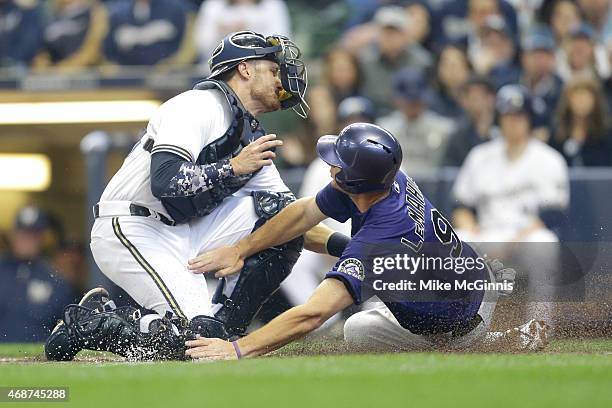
column 368, row 156
column 513, row 99
column 244, row 45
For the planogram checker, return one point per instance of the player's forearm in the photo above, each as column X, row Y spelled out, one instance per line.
column 172, row 176
column 289, row 326
column 316, row 238
column 290, row 223
column 324, row 240
column 330, row 297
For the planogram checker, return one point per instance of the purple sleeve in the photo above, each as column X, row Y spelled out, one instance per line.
column 350, row 270
column 333, row 203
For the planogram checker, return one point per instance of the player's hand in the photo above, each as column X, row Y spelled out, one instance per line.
column 502, row 273
column 223, row 261
column 210, row 349
column 256, row 155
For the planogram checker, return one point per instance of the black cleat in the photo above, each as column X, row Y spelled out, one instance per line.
column 98, row 300
column 61, row 345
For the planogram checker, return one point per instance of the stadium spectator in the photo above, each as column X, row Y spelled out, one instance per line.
column 32, row 297
column 341, row 77
column 583, row 133
column 598, row 13
column 526, row 11
column 73, row 37
column 419, row 29
column 355, row 109
column 342, row 74
column 322, row 116
column 453, row 70
column 583, row 55
column 515, row 189
column 422, row 133
column 477, row 125
column 217, row 18
column 148, row 32
column 20, row 32
column 361, row 11
column 544, row 86
column 391, row 51
column 564, row 17
column 459, row 21
column 494, row 52
column 70, row 263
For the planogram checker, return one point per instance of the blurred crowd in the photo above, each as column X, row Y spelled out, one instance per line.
column 41, row 270
column 427, row 70
column 68, row 35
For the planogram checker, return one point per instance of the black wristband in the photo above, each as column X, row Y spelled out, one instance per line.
column 336, row 244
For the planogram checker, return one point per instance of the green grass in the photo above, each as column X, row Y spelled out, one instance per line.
column 569, row 374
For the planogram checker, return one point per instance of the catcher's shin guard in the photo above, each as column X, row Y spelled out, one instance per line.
column 260, row 277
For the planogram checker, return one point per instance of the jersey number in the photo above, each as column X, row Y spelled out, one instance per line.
column 445, row 233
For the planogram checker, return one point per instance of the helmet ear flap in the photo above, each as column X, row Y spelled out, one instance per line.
column 349, row 186
column 340, row 179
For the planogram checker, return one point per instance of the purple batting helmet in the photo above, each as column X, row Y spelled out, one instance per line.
column 368, row 156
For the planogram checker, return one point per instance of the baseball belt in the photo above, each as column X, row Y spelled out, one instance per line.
column 125, row 208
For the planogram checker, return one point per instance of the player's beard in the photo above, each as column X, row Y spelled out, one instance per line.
column 266, row 95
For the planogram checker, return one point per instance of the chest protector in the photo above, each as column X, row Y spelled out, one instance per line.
column 243, row 129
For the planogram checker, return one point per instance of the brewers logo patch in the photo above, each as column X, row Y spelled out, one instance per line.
column 352, row 267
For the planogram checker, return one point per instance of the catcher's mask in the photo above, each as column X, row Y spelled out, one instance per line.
column 244, row 45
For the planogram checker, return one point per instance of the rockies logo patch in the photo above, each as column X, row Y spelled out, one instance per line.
column 352, row 267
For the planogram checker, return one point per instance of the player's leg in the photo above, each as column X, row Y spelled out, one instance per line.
column 540, row 257
column 239, row 297
column 377, row 330
column 480, row 334
column 148, row 260
column 531, row 336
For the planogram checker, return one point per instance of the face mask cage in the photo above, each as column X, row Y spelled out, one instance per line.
column 293, row 75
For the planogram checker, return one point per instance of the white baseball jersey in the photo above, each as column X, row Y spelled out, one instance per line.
column 508, row 194
column 147, row 258
column 183, row 125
